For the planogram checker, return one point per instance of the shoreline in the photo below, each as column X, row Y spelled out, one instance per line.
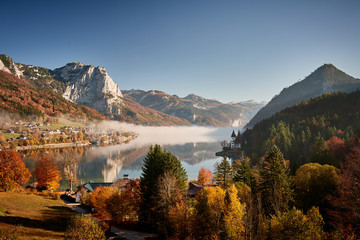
column 51, row 145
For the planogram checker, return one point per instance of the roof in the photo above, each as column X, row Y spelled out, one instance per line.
column 194, row 189
column 92, row 186
column 233, row 134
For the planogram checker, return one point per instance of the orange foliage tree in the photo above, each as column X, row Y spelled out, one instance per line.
column 13, row 172
column 204, row 176
column 99, row 200
column 124, row 206
column 47, row 173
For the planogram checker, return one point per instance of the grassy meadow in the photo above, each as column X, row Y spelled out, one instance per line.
column 33, row 216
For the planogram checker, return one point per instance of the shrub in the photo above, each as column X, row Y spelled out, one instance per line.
column 84, row 228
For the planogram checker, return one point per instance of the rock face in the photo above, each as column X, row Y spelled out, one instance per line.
column 83, row 84
column 8, row 65
column 326, row 78
column 90, row 86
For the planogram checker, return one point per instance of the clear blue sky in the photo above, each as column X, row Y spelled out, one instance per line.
column 227, row 50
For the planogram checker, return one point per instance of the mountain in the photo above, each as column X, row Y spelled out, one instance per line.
column 83, row 84
column 132, row 112
column 77, row 83
column 326, row 78
column 299, row 129
column 22, row 97
column 90, row 86
column 93, row 87
column 195, row 109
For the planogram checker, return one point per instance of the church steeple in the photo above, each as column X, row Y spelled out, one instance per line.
column 233, row 135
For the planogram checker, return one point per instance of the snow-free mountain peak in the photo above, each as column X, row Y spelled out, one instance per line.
column 326, row 78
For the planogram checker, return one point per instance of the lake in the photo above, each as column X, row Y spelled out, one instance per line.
column 195, row 147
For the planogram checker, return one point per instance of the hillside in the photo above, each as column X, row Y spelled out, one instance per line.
column 133, row 112
column 20, row 96
column 195, row 109
column 325, row 79
column 300, row 130
column 33, row 216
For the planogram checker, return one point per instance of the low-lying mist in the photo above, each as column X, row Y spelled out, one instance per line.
column 151, row 135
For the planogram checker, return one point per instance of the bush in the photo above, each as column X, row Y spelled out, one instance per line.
column 84, row 228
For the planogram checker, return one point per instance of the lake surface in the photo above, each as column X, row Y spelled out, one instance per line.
column 195, row 147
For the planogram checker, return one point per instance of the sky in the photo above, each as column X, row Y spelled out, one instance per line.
column 225, row 50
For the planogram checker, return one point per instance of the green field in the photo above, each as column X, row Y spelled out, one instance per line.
column 63, row 123
column 34, row 216
column 10, row 135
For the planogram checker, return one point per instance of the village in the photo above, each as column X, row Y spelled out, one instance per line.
column 55, row 133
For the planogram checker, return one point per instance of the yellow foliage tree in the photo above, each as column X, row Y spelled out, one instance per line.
column 293, row 224
column 219, row 213
column 234, row 215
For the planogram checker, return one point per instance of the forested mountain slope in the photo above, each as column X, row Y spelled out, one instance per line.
column 20, row 96
column 325, row 79
column 307, row 129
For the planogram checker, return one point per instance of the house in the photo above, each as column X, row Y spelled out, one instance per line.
column 22, row 137
column 88, row 188
column 91, row 186
column 193, row 189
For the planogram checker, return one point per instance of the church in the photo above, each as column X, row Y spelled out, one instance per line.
column 235, row 142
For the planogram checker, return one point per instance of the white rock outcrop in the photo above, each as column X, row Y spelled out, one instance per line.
column 90, row 86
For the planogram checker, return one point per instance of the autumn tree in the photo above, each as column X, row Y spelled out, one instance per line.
column 313, row 183
column 47, row 173
column 181, row 219
column 346, row 205
column 274, row 184
column 320, row 153
column 99, row 199
column 124, row 206
column 204, row 176
column 293, row 225
column 223, row 173
column 13, row 172
column 167, row 194
column 70, row 167
column 218, row 214
column 156, row 163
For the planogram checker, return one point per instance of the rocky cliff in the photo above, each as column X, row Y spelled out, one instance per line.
column 90, row 86
column 79, row 83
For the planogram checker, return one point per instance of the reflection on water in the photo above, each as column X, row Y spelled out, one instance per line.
column 195, row 147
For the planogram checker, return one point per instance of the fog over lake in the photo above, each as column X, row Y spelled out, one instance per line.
column 194, row 146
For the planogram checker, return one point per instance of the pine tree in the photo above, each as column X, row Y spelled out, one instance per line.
column 242, row 172
column 157, row 162
column 274, row 183
column 223, row 173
